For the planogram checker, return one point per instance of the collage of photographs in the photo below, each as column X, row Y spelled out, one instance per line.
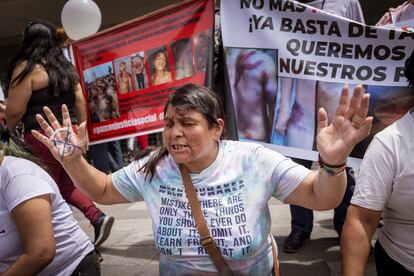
column 143, row 71
column 283, row 110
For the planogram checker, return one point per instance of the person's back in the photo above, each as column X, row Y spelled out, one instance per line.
column 22, row 180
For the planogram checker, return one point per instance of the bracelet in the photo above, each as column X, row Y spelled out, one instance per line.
column 331, row 172
column 329, row 168
column 323, row 164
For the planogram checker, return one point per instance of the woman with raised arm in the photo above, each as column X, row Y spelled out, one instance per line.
column 232, row 181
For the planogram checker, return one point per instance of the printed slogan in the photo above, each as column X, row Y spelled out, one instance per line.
column 224, row 211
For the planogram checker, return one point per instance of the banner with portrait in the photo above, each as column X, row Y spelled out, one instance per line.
column 127, row 72
column 288, row 59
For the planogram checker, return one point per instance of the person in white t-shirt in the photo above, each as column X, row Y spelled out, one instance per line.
column 233, row 180
column 38, row 233
column 402, row 13
column 384, row 186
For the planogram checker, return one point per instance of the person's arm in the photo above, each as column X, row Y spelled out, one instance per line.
column 19, row 96
column 319, row 191
column 286, row 90
column 96, row 184
column 270, row 90
column 129, row 82
column 357, row 232
column 33, row 219
column 322, row 190
column 118, row 84
column 80, row 104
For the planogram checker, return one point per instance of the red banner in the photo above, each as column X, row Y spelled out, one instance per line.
column 128, row 71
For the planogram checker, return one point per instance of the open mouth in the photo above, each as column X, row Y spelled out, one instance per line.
column 177, row 146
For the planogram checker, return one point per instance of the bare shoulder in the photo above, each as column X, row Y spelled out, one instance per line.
column 36, row 70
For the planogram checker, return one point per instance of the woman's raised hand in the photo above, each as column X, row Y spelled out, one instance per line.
column 62, row 141
column 350, row 125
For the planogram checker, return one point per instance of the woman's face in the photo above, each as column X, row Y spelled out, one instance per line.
column 189, row 140
column 160, row 62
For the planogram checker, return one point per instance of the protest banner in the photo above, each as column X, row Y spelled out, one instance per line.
column 288, row 59
column 127, row 72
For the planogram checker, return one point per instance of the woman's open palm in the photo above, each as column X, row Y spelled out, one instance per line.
column 350, row 125
column 62, row 141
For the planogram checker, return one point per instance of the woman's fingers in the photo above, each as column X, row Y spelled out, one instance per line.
column 44, row 125
column 66, row 117
column 365, row 129
column 355, row 102
column 360, row 115
column 322, row 119
column 83, row 136
column 54, row 123
column 343, row 101
column 43, row 139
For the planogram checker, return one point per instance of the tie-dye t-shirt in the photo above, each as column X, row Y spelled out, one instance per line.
column 233, row 192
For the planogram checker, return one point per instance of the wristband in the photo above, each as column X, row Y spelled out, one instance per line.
column 329, row 169
column 333, row 173
column 323, row 164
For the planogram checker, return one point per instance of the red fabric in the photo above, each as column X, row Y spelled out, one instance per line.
column 143, row 141
column 69, row 191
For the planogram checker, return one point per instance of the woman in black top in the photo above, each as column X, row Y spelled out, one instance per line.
column 41, row 75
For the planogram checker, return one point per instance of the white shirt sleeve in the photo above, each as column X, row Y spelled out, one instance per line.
column 281, row 172
column 129, row 182
column 23, row 187
column 376, row 177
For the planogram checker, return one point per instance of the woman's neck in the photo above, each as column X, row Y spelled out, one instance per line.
column 200, row 166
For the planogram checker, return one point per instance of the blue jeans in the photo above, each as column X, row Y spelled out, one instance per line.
column 107, row 157
column 302, row 218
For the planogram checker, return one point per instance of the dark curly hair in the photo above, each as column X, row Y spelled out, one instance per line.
column 42, row 45
column 409, row 71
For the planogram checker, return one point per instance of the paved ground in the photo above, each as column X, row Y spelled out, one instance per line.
column 130, row 249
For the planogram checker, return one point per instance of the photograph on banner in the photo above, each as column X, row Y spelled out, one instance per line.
column 159, row 64
column 182, row 51
column 139, row 71
column 201, row 44
column 129, row 71
column 294, row 121
column 388, row 104
column 253, row 82
column 316, row 54
column 101, row 93
column 123, row 75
